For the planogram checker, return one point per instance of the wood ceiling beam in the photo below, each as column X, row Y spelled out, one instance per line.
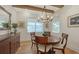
column 33, row 8
column 59, row 6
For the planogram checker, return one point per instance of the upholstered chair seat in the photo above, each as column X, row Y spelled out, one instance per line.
column 42, row 47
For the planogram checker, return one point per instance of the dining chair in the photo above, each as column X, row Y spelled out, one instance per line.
column 41, row 44
column 62, row 45
column 32, row 38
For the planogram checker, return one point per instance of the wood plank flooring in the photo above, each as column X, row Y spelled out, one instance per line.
column 25, row 48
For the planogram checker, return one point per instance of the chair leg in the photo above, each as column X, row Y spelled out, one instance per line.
column 63, row 51
column 37, row 52
column 32, row 45
column 52, row 50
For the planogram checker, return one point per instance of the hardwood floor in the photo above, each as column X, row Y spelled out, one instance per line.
column 26, row 49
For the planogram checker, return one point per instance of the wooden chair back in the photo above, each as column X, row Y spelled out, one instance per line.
column 41, row 41
column 32, row 35
column 64, row 39
column 32, row 38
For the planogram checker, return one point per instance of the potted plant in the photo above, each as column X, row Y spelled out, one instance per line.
column 14, row 26
column 6, row 25
column 45, row 34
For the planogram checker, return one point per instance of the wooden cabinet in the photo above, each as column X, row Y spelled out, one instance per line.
column 15, row 42
column 5, row 46
column 10, row 44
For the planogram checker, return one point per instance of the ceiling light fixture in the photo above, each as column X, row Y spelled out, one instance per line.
column 46, row 17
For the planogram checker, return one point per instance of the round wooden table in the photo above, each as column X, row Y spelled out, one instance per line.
column 53, row 40
column 48, row 40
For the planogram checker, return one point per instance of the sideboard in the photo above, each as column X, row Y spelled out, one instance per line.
column 10, row 44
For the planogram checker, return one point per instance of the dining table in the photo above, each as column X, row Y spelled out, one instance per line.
column 53, row 40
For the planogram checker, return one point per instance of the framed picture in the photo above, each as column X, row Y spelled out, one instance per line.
column 73, row 21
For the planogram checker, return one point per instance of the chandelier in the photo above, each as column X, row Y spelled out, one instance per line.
column 46, row 17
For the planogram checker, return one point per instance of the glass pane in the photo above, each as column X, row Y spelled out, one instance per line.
column 31, row 27
column 31, row 23
column 56, row 27
column 39, row 27
column 34, row 27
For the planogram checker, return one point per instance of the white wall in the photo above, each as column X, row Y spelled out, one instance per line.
column 22, row 16
column 63, row 14
column 4, row 16
column 12, row 11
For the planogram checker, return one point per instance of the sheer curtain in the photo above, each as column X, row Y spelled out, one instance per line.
column 56, row 26
column 34, row 26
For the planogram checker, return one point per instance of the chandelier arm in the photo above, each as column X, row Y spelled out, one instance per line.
column 45, row 17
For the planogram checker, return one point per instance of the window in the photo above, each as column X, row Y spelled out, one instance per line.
column 31, row 27
column 34, row 27
column 56, row 27
column 1, row 26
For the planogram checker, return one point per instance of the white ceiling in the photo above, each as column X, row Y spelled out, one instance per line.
column 32, row 13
